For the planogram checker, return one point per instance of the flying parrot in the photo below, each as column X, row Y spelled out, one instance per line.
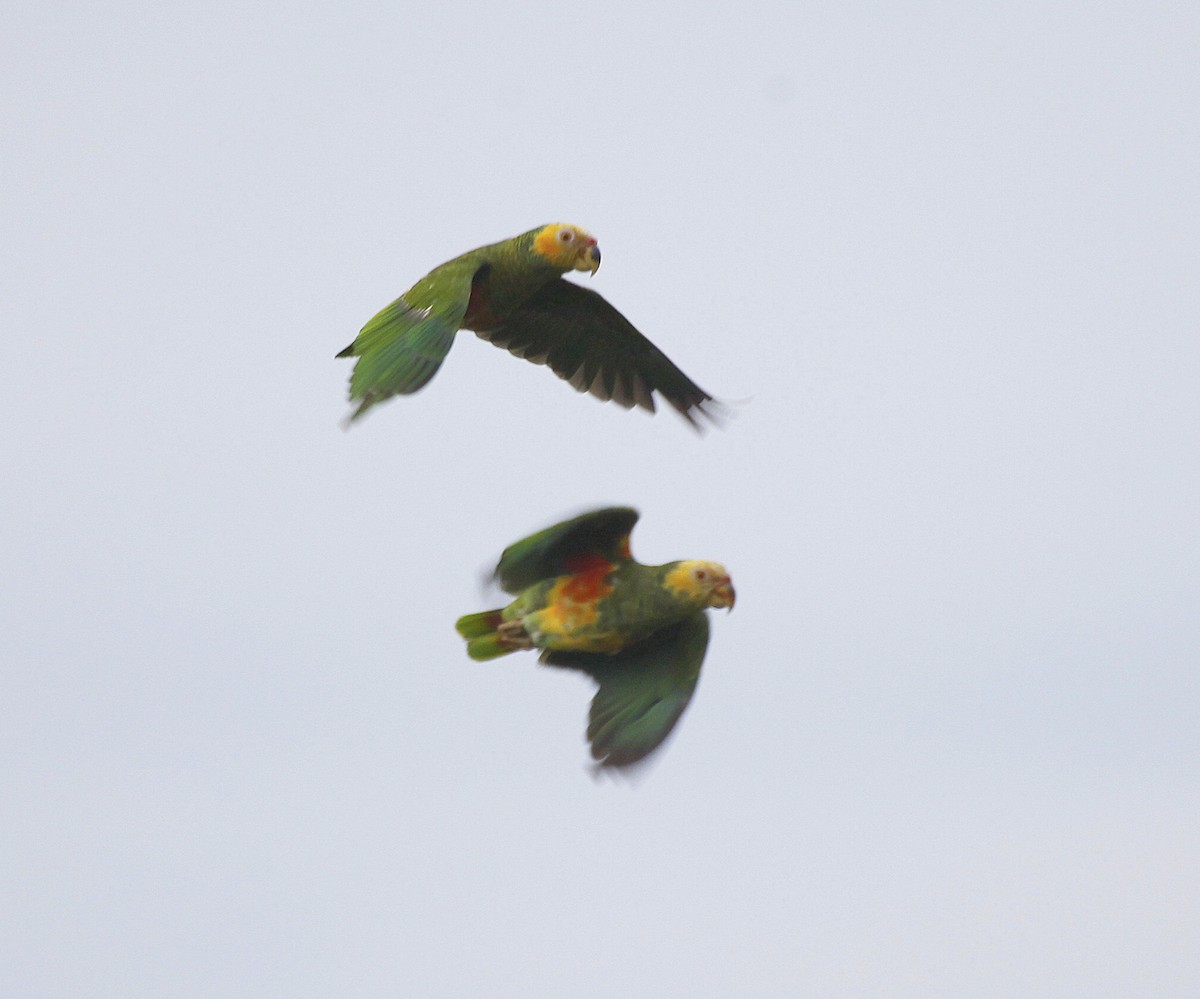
column 639, row 630
column 513, row 294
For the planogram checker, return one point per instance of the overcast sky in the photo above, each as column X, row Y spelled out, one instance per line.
column 943, row 257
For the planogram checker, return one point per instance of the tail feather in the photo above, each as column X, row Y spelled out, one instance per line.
column 487, row 647
column 398, row 352
column 475, row 625
column 479, row 630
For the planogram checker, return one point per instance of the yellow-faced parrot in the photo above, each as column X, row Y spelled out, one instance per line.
column 513, row 294
column 639, row 630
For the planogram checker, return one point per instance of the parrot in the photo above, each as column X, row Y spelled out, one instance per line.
column 512, row 294
column 640, row 631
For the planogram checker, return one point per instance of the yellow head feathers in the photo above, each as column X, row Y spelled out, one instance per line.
column 568, row 247
column 708, row 582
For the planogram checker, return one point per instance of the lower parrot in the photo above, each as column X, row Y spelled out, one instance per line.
column 640, row 631
column 513, row 294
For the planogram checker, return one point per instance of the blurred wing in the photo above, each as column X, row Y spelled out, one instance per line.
column 401, row 348
column 557, row 550
column 590, row 344
column 643, row 690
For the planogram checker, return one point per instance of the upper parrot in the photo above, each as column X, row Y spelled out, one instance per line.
column 513, row 294
column 639, row 630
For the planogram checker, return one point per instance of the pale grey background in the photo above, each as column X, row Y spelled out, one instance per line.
column 947, row 743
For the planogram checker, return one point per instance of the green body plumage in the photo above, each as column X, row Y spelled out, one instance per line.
column 592, row 611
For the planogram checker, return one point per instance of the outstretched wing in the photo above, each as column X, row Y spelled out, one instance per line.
column 643, row 690
column 565, row 547
column 402, row 347
column 590, row 344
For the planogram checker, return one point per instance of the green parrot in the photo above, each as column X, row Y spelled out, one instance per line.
column 513, row 294
column 639, row 630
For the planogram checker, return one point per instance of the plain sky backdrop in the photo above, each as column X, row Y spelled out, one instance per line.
column 942, row 256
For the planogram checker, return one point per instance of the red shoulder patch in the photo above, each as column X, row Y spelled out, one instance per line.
column 479, row 315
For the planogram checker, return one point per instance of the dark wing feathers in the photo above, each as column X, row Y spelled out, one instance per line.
column 643, row 690
column 545, row 554
column 590, row 344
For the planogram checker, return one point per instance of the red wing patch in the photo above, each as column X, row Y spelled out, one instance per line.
column 586, row 584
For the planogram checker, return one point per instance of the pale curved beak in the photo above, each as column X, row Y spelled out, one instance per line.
column 723, row 595
column 590, row 261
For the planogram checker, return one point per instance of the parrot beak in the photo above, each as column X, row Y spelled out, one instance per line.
column 591, row 259
column 723, row 595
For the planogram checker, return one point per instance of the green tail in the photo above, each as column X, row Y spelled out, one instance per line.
column 480, row 632
column 398, row 352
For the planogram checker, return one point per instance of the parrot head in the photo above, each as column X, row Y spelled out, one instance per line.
column 708, row 582
column 568, row 247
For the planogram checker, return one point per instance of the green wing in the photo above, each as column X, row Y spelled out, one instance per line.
column 551, row 552
column 590, row 344
column 402, row 347
column 643, row 690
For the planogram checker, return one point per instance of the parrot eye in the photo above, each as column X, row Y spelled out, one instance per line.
column 701, row 576
column 565, row 235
